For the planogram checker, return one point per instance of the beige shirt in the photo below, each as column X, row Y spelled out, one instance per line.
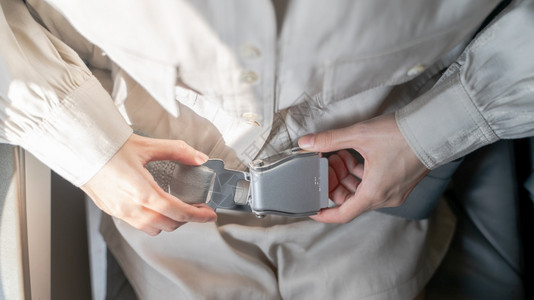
column 323, row 65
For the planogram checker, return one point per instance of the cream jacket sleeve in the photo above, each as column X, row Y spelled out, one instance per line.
column 487, row 95
column 50, row 103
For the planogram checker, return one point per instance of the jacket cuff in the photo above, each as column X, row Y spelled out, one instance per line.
column 444, row 124
column 80, row 135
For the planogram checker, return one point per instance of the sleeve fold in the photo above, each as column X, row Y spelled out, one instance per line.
column 486, row 95
column 50, row 103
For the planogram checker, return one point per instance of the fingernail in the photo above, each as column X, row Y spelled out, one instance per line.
column 307, row 141
column 201, row 157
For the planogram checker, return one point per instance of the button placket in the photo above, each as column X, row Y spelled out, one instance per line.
column 249, row 52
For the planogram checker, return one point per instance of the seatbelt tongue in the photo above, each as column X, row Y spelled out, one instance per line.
column 190, row 184
column 209, row 183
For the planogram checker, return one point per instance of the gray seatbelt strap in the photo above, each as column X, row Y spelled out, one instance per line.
column 292, row 183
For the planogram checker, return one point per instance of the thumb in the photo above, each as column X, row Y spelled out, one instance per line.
column 176, row 150
column 326, row 141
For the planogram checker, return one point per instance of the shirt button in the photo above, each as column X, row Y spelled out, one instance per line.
column 415, row 70
column 251, row 118
column 249, row 77
column 249, row 51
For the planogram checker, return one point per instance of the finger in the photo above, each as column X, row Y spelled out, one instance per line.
column 149, row 230
column 358, row 170
column 327, row 141
column 353, row 206
column 177, row 210
column 340, row 194
column 330, row 215
column 144, row 227
column 342, row 173
column 176, row 150
column 148, row 221
column 351, row 183
column 157, row 221
column 164, row 223
column 338, row 165
column 352, row 165
column 201, row 205
column 340, row 214
column 333, row 182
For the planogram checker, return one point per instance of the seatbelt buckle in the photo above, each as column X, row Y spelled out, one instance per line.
column 292, row 183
